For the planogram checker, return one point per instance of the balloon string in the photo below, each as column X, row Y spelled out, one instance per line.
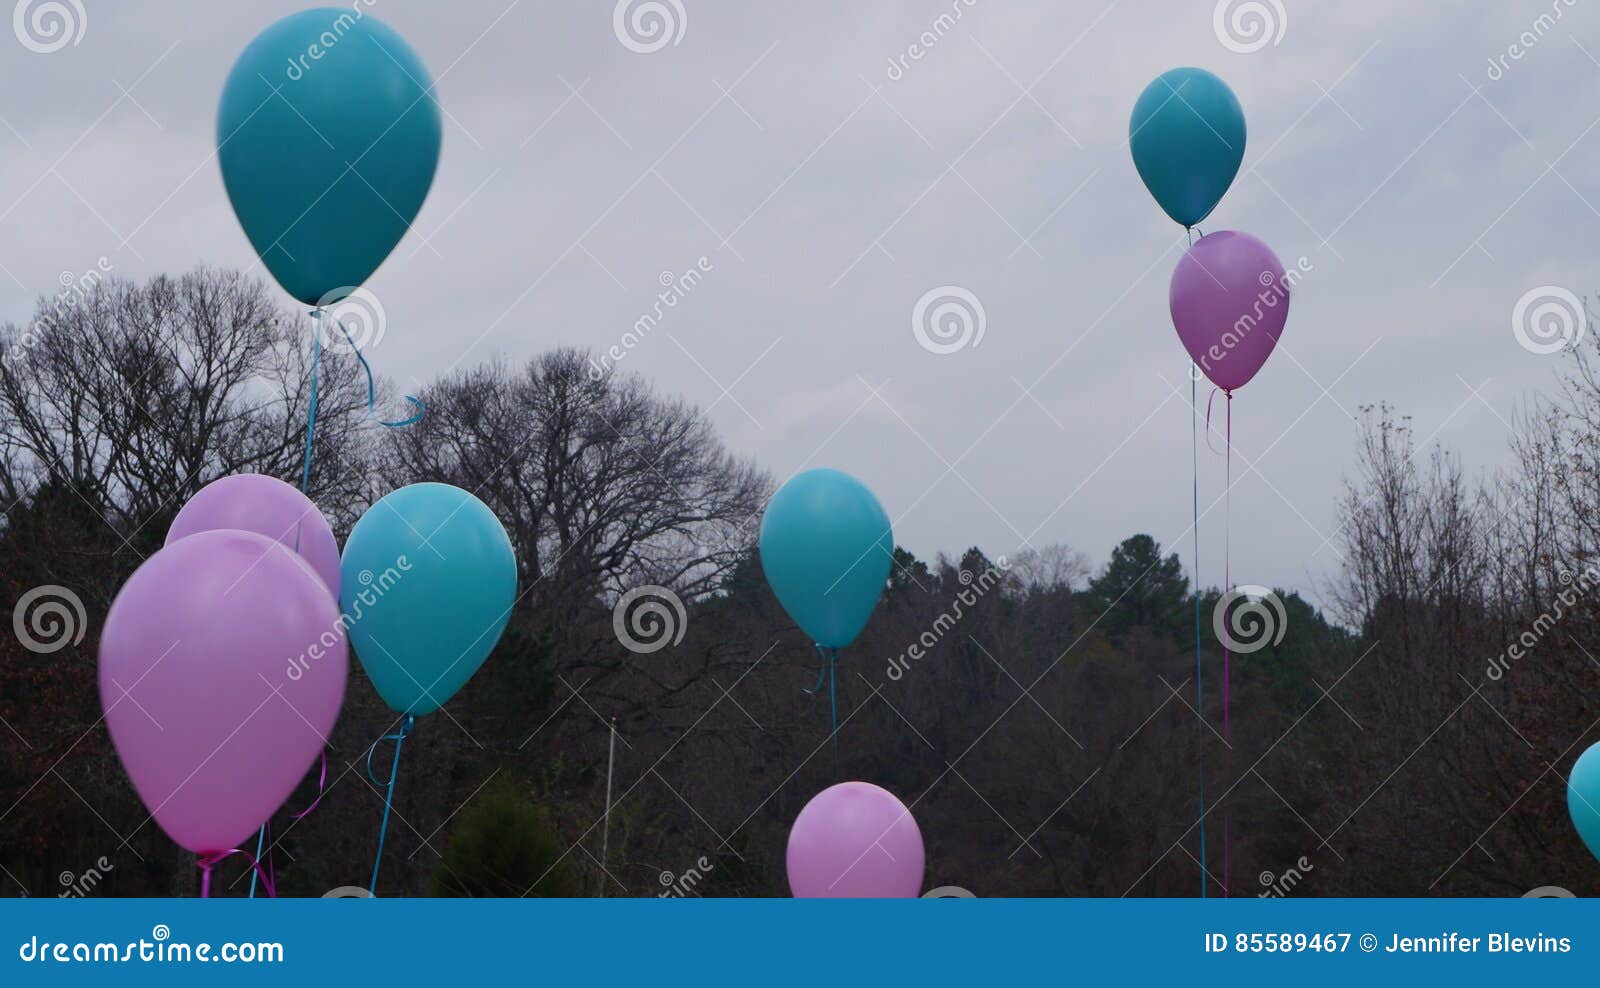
column 265, row 833
column 322, row 788
column 261, row 841
column 311, row 410
column 822, row 672
column 305, row 482
column 317, row 316
column 829, row 657
column 1199, row 679
column 1209, row 400
column 833, row 709
column 398, row 738
column 1227, row 652
column 372, row 387
column 209, row 861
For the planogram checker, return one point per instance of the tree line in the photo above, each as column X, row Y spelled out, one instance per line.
column 1036, row 711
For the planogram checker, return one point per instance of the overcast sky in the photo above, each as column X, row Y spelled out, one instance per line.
column 828, row 192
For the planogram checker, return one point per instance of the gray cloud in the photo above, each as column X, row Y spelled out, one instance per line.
column 828, row 197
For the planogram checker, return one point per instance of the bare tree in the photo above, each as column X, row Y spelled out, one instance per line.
column 603, row 483
column 1054, row 567
column 135, row 396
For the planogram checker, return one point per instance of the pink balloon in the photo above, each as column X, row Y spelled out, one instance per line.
column 1229, row 300
column 852, row 841
column 253, row 502
column 222, row 669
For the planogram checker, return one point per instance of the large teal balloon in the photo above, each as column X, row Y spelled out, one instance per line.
column 328, row 137
column 427, row 583
column 1187, row 137
column 1583, row 798
column 826, row 549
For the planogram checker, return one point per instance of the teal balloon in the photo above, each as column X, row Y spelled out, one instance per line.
column 328, row 136
column 826, row 549
column 1583, row 798
column 428, row 578
column 1187, row 136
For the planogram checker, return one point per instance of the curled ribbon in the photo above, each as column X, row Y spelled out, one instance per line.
column 1209, row 400
column 372, row 393
column 822, row 672
column 372, row 389
column 399, row 738
column 322, row 788
column 209, row 861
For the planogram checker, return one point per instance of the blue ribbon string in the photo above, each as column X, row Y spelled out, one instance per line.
column 372, row 388
column 398, row 738
column 822, row 672
column 311, row 411
column 829, row 657
column 305, row 484
column 305, row 481
column 1199, row 677
column 261, row 840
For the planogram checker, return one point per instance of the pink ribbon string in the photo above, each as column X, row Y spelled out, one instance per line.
column 1227, row 587
column 1227, row 652
column 1209, row 400
column 322, row 789
column 265, row 839
column 209, row 861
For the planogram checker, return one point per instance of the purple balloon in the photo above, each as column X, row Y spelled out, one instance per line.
column 1229, row 299
column 222, row 669
column 853, row 841
column 253, row 502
